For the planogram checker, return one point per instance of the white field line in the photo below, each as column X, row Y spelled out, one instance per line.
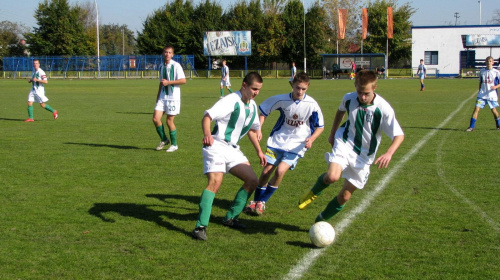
column 307, row 261
column 471, row 204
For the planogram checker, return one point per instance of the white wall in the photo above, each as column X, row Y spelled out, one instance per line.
column 447, row 41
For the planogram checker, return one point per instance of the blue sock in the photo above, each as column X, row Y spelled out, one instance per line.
column 268, row 193
column 472, row 123
column 498, row 121
column 259, row 192
column 422, row 86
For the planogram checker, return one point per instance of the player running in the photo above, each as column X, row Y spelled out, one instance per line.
column 37, row 92
column 355, row 143
column 299, row 125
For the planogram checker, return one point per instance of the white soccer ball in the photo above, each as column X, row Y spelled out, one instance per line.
column 322, row 234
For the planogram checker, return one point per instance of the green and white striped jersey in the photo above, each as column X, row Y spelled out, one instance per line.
column 172, row 71
column 233, row 118
column 363, row 128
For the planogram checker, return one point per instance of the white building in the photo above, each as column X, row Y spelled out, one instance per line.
column 445, row 48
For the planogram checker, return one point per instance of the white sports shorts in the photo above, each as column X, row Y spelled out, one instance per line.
column 353, row 169
column 169, row 106
column 221, row 157
column 225, row 83
column 38, row 97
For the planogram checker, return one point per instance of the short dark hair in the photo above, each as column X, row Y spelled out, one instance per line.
column 252, row 77
column 168, row 47
column 301, row 77
column 365, row 77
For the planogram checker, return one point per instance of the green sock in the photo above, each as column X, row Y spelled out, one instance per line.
column 230, row 90
column 331, row 210
column 48, row 108
column 239, row 203
column 161, row 132
column 30, row 112
column 221, row 92
column 173, row 137
column 206, row 201
column 320, row 185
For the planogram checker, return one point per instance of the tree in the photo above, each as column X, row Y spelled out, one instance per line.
column 317, row 35
column 376, row 41
column 116, row 40
column 59, row 31
column 293, row 19
column 170, row 25
column 352, row 23
column 496, row 17
column 10, row 35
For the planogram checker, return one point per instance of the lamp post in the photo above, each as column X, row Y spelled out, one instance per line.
column 305, row 68
column 97, row 27
column 479, row 12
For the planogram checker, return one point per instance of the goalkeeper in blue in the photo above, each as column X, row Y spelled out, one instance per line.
column 355, row 143
column 489, row 82
column 300, row 123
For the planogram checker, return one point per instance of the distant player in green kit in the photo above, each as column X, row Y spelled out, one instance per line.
column 224, row 81
column 37, row 92
column 168, row 100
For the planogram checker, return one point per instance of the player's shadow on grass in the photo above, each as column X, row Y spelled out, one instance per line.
column 14, row 120
column 142, row 212
column 135, row 113
column 121, row 147
column 254, row 225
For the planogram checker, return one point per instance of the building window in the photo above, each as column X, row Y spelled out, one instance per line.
column 431, row 58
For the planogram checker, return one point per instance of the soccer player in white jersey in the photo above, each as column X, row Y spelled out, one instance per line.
column 489, row 82
column 292, row 76
column 224, row 81
column 168, row 99
column 355, row 143
column 37, row 92
column 300, row 123
column 422, row 73
column 235, row 116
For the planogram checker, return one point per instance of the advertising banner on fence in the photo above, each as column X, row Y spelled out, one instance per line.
column 227, row 43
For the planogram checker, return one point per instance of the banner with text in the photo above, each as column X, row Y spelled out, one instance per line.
column 482, row 40
column 227, row 43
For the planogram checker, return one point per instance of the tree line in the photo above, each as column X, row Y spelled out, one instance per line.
column 279, row 30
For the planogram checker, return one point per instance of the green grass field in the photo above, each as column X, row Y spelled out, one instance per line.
column 87, row 196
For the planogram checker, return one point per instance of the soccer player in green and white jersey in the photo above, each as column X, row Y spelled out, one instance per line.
column 37, row 92
column 356, row 142
column 225, row 81
column 235, row 116
column 168, row 99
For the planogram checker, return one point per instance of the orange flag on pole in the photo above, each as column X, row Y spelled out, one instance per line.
column 364, row 19
column 342, row 22
column 390, row 30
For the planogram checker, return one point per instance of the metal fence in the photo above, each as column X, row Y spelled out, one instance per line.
column 93, row 67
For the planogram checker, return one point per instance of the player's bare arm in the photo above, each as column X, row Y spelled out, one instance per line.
column 336, row 123
column 310, row 140
column 208, row 140
column 166, row 82
column 252, row 135
column 384, row 160
column 262, row 118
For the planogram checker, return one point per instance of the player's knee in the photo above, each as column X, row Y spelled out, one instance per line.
column 330, row 178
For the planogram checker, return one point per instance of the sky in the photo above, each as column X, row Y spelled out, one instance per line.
column 134, row 12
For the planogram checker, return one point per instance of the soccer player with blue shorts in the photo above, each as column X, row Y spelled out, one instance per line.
column 355, row 143
column 235, row 116
column 422, row 73
column 225, row 82
column 300, row 123
column 489, row 82
column 168, row 99
column 292, row 76
column 37, row 92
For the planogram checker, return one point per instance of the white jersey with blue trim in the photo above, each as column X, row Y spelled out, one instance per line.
column 297, row 121
column 233, row 118
column 172, row 71
column 363, row 128
column 488, row 78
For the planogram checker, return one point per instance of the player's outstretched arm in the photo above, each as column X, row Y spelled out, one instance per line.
column 384, row 160
column 310, row 140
